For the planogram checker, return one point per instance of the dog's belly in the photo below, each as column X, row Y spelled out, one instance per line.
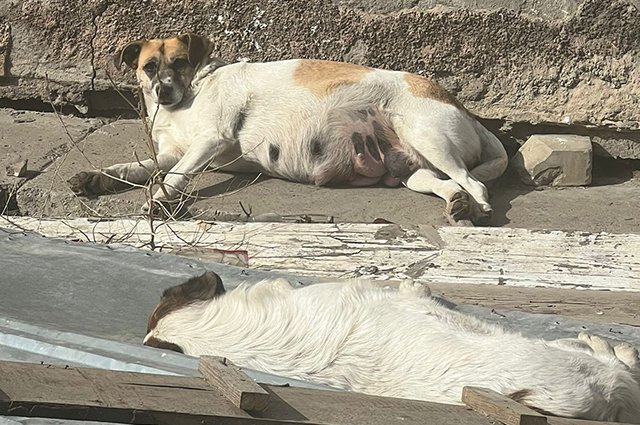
column 338, row 146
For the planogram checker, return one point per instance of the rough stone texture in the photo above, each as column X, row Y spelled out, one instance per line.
column 556, row 160
column 18, row 168
column 537, row 61
column 5, row 40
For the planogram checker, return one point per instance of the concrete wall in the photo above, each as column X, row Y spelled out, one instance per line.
column 528, row 65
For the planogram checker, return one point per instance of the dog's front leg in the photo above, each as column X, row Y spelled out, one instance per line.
column 198, row 156
column 119, row 177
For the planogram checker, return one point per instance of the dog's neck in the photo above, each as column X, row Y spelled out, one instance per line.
column 206, row 69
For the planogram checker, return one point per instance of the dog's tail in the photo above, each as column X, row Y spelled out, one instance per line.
column 494, row 159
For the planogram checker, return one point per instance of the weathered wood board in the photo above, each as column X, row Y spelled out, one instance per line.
column 237, row 387
column 589, row 306
column 500, row 407
column 494, row 256
column 103, row 395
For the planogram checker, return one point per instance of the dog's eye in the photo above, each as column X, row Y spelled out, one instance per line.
column 150, row 67
column 179, row 63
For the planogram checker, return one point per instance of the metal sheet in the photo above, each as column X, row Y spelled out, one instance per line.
column 82, row 304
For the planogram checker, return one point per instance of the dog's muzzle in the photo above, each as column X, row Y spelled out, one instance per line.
column 166, row 94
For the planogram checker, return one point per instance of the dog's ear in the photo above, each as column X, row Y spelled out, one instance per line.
column 129, row 54
column 200, row 288
column 198, row 47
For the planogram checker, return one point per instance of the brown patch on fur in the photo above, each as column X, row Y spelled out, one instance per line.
column 323, row 77
column 149, row 49
column 175, row 47
column 521, row 396
column 200, row 288
column 158, row 343
column 426, row 88
column 196, row 49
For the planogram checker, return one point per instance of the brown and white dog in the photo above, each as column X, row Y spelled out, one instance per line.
column 310, row 121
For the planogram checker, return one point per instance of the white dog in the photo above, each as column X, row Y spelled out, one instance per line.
column 309, row 121
column 397, row 343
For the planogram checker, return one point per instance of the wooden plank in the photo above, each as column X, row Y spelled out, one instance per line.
column 554, row 420
column 102, row 395
column 596, row 307
column 233, row 383
column 91, row 394
column 497, row 406
column 359, row 409
column 494, row 256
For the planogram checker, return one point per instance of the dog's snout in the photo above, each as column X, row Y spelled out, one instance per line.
column 166, row 94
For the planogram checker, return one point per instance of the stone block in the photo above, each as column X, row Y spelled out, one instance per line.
column 18, row 168
column 554, row 159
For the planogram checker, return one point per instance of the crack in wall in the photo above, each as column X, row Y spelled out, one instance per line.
column 96, row 13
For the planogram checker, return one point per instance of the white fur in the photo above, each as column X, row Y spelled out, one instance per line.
column 402, row 343
column 452, row 151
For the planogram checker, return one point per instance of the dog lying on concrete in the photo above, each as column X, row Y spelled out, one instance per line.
column 309, row 121
column 396, row 343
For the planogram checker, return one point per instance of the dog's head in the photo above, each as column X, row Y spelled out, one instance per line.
column 163, row 333
column 166, row 67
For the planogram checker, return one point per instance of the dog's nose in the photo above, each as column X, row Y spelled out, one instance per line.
column 165, row 93
column 163, row 89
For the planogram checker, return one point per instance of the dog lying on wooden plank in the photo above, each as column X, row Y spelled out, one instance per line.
column 309, row 121
column 396, row 343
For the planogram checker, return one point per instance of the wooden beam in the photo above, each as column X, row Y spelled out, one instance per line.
column 84, row 394
column 554, row 420
column 497, row 406
column 492, row 256
column 233, row 383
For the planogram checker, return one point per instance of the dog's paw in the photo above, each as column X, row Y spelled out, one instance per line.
column 412, row 288
column 628, row 354
column 86, row 183
column 96, row 182
column 156, row 208
column 458, row 208
column 483, row 218
column 282, row 284
column 161, row 208
column 597, row 344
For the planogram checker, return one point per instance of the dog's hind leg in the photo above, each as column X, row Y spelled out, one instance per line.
column 459, row 206
column 628, row 354
column 489, row 170
column 446, row 156
column 494, row 158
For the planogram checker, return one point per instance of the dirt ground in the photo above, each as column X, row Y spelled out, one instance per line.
column 610, row 204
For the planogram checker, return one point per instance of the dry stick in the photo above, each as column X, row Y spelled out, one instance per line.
column 141, row 110
column 185, row 196
column 248, row 214
column 12, row 192
column 154, row 177
column 8, row 220
column 74, row 143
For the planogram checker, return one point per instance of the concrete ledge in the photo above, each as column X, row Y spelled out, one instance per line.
column 576, row 64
